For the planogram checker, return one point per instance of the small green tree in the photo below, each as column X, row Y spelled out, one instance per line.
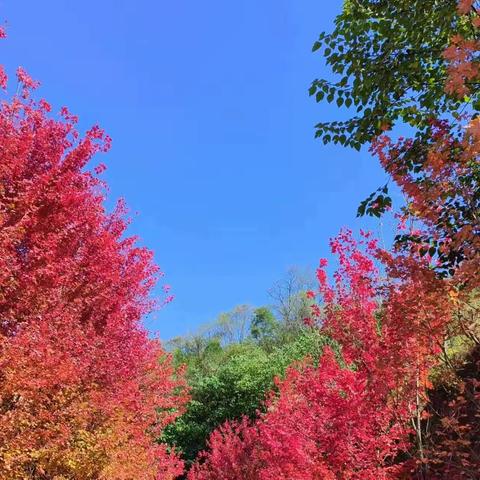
column 264, row 326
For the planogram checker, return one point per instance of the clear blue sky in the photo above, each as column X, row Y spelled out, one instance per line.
column 212, row 132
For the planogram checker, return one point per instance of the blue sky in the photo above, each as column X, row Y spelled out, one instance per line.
column 212, row 130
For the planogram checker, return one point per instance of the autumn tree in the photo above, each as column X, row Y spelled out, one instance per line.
column 421, row 69
column 348, row 416
column 83, row 390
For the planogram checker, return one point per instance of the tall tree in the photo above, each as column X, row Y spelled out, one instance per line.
column 233, row 326
column 83, row 391
column 413, row 63
column 421, row 69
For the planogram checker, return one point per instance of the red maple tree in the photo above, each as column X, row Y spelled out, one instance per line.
column 348, row 417
column 83, row 390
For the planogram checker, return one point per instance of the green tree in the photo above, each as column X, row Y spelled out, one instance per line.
column 387, row 62
column 264, row 326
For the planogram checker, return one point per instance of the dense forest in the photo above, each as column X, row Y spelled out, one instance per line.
column 367, row 369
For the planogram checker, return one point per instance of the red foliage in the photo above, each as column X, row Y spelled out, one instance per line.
column 463, row 67
column 233, row 454
column 83, row 391
column 443, row 194
column 348, row 421
column 462, row 53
